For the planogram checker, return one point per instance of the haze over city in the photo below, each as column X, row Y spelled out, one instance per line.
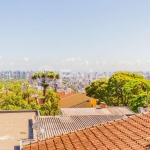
column 77, row 35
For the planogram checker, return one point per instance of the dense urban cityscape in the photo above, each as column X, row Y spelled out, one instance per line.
column 76, row 81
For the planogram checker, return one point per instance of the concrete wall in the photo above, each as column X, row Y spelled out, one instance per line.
column 14, row 126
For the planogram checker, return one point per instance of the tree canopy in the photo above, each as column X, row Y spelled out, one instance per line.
column 45, row 78
column 21, row 96
column 121, row 89
column 50, row 106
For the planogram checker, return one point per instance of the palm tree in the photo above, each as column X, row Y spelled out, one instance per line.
column 45, row 78
column 50, row 106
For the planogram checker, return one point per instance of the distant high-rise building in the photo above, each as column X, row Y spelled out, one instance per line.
column 7, row 75
column 23, row 75
column 2, row 75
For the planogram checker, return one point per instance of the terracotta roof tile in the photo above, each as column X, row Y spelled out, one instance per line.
column 124, row 134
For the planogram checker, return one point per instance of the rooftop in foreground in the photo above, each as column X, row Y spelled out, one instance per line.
column 56, row 125
column 15, row 125
column 122, row 134
column 97, row 111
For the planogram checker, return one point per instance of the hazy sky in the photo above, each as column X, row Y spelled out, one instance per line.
column 102, row 35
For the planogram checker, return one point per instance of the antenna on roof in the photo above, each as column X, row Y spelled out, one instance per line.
column 39, row 131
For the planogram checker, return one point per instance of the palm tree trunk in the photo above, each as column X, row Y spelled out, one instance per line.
column 44, row 91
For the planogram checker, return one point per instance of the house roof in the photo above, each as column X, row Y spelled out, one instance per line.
column 95, row 111
column 56, row 125
column 126, row 134
column 73, row 100
column 15, row 125
column 80, row 105
column 61, row 94
column 65, row 95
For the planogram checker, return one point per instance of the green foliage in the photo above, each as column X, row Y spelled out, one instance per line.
column 138, row 101
column 45, row 78
column 136, row 92
column 14, row 102
column 98, row 90
column 28, row 92
column 115, row 86
column 34, row 106
column 19, row 95
column 1, row 87
column 51, row 96
column 15, row 88
column 11, row 81
column 50, row 106
column 121, row 89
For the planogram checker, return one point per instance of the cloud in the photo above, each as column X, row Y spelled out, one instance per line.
column 11, row 63
column 71, row 59
column 0, row 57
column 86, row 63
column 25, row 59
column 78, row 64
column 104, row 63
column 96, row 63
column 78, row 59
column 65, row 70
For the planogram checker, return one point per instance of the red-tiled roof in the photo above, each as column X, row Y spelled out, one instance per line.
column 123, row 134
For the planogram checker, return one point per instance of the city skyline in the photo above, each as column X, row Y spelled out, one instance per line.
column 76, row 35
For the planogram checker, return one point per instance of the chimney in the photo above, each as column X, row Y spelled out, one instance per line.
column 103, row 105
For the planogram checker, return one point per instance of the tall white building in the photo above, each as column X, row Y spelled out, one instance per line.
column 7, row 75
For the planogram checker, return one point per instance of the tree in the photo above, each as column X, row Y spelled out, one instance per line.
column 115, row 86
column 50, row 106
column 28, row 92
column 45, row 78
column 136, row 93
column 15, row 99
column 13, row 102
column 121, row 89
column 16, row 102
column 15, row 88
column 1, row 87
column 98, row 90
